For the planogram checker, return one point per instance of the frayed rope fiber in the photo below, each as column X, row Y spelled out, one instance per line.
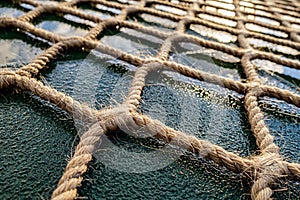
column 265, row 168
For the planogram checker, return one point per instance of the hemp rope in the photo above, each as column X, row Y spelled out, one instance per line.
column 265, row 168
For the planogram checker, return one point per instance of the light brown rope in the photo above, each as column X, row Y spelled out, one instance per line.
column 265, row 168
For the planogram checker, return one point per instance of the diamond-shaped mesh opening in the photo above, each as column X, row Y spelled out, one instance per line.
column 203, row 110
column 212, row 34
column 98, row 9
column 209, row 60
column 283, row 125
column 220, row 4
column 131, row 41
column 218, row 20
column 261, row 29
column 263, row 20
column 193, row 74
column 184, row 176
column 156, row 22
column 98, row 80
column 169, row 9
column 66, row 26
column 278, row 75
column 276, row 49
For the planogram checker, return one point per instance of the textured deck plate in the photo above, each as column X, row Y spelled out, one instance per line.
column 224, row 47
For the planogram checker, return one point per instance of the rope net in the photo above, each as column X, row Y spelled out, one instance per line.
column 265, row 168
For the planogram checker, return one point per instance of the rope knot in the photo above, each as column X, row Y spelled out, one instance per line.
column 267, row 169
column 270, row 162
column 108, row 117
column 123, row 118
column 254, row 87
column 152, row 60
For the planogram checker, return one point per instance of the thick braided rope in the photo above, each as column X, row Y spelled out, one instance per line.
column 77, row 166
column 138, row 82
column 265, row 141
column 266, row 168
column 23, row 83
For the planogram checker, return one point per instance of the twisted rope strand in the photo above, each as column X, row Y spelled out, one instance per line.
column 265, row 168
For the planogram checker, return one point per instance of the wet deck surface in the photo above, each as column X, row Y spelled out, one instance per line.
column 36, row 139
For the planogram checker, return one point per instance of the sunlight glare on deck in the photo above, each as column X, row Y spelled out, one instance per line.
column 218, row 20
column 257, row 28
column 221, row 11
column 248, row 4
column 220, row 4
column 173, row 10
column 263, row 19
column 221, row 36
column 113, row 10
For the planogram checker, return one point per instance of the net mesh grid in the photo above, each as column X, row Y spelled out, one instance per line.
column 264, row 169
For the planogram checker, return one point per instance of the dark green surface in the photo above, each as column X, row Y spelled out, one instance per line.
column 285, row 126
column 196, row 111
column 187, row 178
column 36, row 138
column 283, row 121
column 218, row 128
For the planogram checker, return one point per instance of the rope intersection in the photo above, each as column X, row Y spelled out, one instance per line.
column 265, row 168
